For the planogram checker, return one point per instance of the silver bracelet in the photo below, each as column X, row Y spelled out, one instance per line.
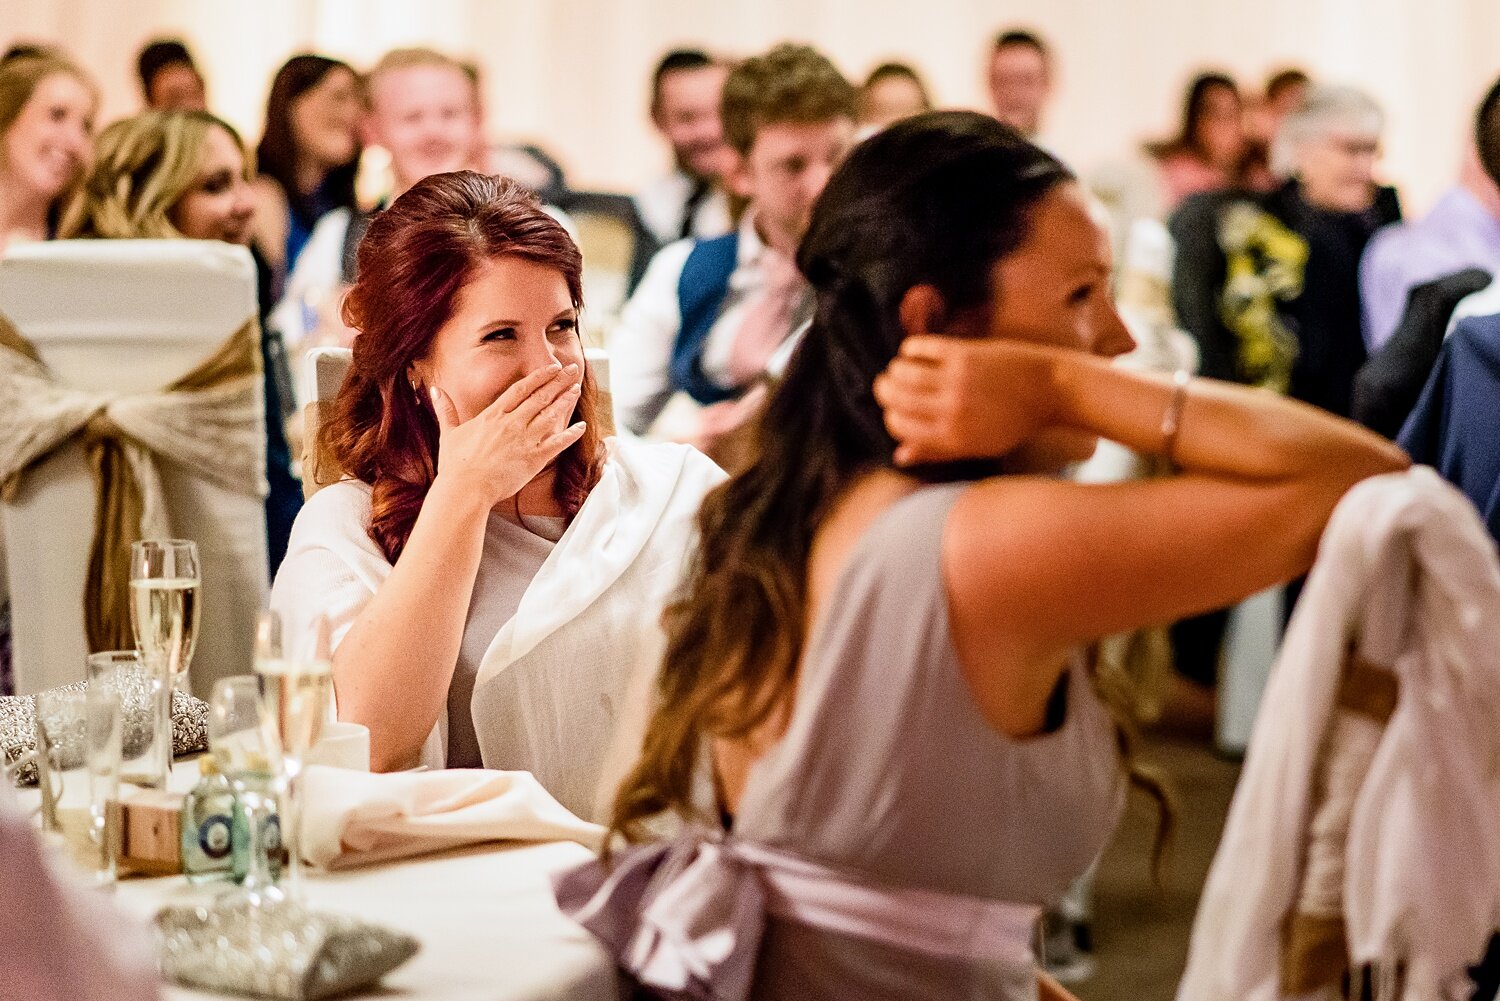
column 1171, row 421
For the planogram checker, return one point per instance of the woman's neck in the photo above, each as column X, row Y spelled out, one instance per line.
column 536, row 499
column 309, row 177
column 23, row 213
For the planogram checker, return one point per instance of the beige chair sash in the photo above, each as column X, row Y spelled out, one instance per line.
column 124, row 477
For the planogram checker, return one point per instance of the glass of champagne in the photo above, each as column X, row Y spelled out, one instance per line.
column 244, row 751
column 164, row 612
column 296, row 690
column 164, row 605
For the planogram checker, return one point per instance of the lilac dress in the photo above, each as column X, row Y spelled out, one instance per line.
column 888, row 777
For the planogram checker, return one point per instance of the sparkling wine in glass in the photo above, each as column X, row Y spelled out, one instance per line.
column 296, row 691
column 164, row 605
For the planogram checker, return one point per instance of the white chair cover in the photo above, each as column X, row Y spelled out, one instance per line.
column 127, row 316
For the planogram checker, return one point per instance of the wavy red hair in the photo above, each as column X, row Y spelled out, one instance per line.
column 413, row 260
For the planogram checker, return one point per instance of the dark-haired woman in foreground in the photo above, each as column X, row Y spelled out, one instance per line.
column 492, row 567
column 879, row 646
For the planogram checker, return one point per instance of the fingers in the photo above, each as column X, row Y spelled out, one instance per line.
column 898, row 395
column 565, row 384
column 557, row 444
column 442, row 406
column 522, row 389
column 916, row 438
column 929, row 349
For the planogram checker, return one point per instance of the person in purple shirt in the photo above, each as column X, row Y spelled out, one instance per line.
column 1462, row 231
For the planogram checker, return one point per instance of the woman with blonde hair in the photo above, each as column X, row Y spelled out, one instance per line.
column 144, row 170
column 183, row 175
column 47, row 108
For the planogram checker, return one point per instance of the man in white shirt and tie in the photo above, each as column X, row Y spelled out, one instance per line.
column 690, row 201
column 709, row 315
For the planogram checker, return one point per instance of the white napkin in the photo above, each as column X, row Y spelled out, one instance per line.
column 357, row 818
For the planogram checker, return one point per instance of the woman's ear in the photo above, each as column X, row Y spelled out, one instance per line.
column 922, row 311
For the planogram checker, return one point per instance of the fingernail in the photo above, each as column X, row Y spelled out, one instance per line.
column 572, row 368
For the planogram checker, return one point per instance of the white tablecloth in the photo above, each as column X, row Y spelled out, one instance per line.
column 485, row 918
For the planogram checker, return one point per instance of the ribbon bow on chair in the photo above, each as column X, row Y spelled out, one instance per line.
column 208, row 420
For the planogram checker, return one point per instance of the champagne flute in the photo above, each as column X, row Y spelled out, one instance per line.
column 164, row 611
column 242, row 747
column 164, row 606
column 296, row 698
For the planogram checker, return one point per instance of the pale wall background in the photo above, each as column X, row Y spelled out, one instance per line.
column 571, row 74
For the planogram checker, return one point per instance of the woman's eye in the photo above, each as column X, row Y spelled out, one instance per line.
column 565, row 326
column 1080, row 295
column 503, row 334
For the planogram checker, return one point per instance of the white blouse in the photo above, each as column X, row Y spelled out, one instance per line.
column 557, row 622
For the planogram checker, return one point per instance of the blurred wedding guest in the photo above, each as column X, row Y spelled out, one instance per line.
column 891, row 92
column 1461, row 231
column 170, row 80
column 686, row 90
column 1285, row 90
column 423, row 112
column 1268, row 284
column 492, row 569
column 528, row 163
column 25, row 50
column 47, row 109
column 1020, row 80
column 308, row 155
column 879, row 669
column 62, row 942
column 710, row 314
column 1208, row 150
column 184, row 174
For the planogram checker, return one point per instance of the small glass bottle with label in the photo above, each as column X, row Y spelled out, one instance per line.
column 257, row 854
column 208, row 825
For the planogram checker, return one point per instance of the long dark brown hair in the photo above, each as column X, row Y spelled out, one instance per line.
column 278, row 154
column 1194, row 109
column 413, row 261
column 935, row 199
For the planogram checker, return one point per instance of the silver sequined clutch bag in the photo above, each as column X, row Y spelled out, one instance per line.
column 18, row 729
column 278, row 950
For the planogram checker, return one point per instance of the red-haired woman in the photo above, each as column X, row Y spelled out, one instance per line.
column 492, row 568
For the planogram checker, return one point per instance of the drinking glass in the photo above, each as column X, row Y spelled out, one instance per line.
column 164, row 605
column 78, row 762
column 145, row 715
column 296, row 692
column 242, row 746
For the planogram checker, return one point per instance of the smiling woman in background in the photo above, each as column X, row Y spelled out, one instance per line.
column 47, row 108
column 309, row 155
column 182, row 174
